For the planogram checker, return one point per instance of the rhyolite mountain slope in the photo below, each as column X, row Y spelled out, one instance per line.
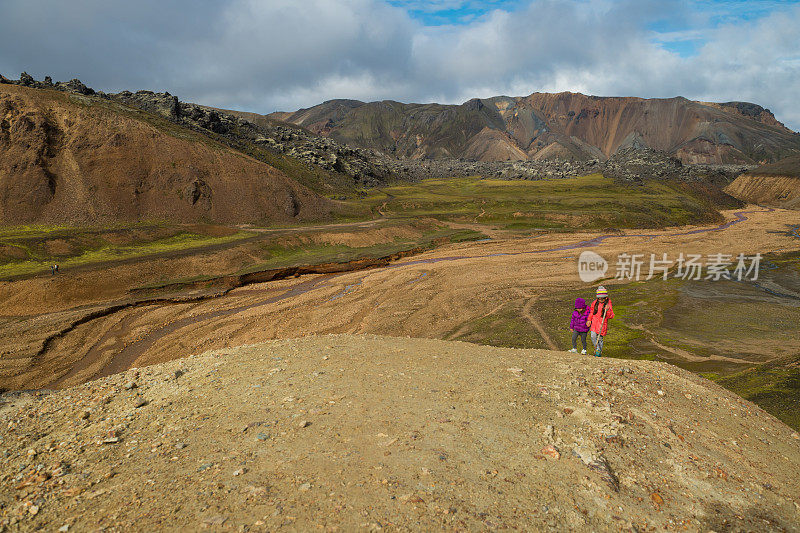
column 351, row 433
column 776, row 184
column 70, row 157
column 565, row 126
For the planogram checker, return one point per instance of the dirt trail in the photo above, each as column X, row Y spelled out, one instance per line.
column 682, row 354
column 537, row 323
column 351, row 433
column 340, row 225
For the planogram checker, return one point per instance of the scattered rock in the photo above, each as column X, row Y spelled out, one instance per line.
column 303, row 424
column 551, row 451
column 140, row 402
column 603, row 467
column 657, row 499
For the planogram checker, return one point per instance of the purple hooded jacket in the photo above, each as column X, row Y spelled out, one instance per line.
column 579, row 316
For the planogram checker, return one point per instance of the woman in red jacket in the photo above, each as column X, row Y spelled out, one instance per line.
column 600, row 312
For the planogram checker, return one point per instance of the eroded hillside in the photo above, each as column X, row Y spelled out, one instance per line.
column 72, row 158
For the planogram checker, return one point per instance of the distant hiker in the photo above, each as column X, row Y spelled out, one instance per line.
column 52, row 270
column 56, row 267
column 579, row 325
column 600, row 312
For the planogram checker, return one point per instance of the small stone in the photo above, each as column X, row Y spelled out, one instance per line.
column 660, row 392
column 130, row 385
column 85, row 414
column 111, row 440
column 303, row 424
column 239, row 472
column 796, row 435
column 180, row 445
column 515, row 370
column 33, row 510
column 411, row 498
column 304, row 487
column 262, row 436
column 179, row 373
column 64, row 528
column 140, row 402
column 658, row 500
column 31, row 453
column 551, row 451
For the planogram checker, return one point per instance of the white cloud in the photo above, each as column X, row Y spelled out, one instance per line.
column 282, row 54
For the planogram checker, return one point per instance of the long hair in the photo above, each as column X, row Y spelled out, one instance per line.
column 597, row 304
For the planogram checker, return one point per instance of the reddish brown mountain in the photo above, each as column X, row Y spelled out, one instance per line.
column 72, row 158
column 565, row 125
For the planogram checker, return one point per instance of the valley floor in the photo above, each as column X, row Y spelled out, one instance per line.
column 472, row 291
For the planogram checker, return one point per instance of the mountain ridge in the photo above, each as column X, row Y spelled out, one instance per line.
column 565, row 125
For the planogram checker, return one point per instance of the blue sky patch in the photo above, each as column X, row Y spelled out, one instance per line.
column 453, row 12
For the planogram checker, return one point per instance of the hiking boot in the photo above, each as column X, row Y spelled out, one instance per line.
column 574, row 351
column 583, row 352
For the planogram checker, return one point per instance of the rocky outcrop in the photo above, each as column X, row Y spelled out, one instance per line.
column 637, row 164
column 163, row 104
column 72, row 86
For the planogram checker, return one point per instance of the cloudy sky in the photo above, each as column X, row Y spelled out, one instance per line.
column 267, row 55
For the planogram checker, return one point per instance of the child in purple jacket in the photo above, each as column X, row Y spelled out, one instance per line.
column 578, row 325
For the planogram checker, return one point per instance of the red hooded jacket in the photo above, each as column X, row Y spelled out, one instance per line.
column 597, row 324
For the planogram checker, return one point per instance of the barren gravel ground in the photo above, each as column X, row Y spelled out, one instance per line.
column 348, row 433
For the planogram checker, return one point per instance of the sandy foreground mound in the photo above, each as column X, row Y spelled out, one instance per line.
column 348, row 432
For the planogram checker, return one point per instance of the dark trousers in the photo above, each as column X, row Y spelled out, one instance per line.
column 575, row 335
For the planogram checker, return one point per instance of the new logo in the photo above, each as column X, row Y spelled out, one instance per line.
column 591, row 266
